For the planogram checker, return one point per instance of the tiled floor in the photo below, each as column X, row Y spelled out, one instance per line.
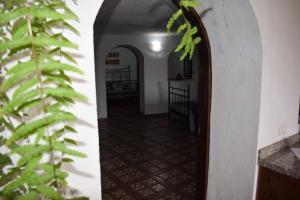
column 146, row 158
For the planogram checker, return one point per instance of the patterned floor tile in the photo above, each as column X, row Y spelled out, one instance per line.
column 117, row 195
column 174, row 176
column 112, row 164
column 173, row 196
column 128, row 174
column 146, row 157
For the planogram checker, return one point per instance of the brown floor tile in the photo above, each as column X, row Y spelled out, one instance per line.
column 146, row 157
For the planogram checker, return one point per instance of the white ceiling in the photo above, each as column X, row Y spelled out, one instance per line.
column 128, row 16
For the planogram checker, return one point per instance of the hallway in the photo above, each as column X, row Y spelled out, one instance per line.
column 146, row 157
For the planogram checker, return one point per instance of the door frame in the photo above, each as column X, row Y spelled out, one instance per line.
column 205, row 95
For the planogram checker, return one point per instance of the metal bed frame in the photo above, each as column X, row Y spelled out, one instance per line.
column 179, row 103
column 119, row 83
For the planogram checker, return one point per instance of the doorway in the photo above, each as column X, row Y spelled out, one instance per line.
column 133, row 144
column 123, row 78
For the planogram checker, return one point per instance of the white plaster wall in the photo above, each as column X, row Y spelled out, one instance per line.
column 280, row 27
column 155, row 70
column 236, row 67
column 85, row 175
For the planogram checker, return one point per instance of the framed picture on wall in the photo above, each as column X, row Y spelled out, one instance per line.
column 112, row 58
column 112, row 62
column 113, row 55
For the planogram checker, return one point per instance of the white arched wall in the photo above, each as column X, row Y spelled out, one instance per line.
column 236, row 53
column 236, row 63
column 85, row 175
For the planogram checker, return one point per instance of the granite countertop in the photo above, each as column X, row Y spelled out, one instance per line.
column 284, row 162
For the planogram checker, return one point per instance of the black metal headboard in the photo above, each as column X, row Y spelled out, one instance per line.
column 119, row 74
column 179, row 103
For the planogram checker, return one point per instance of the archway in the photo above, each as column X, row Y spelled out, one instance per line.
column 124, row 66
column 236, row 52
column 204, row 92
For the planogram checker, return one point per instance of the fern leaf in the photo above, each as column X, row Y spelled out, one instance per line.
column 24, row 87
column 30, row 104
column 13, row 174
column 7, row 124
column 62, row 148
column 58, row 66
column 193, row 31
column 181, row 28
column 26, row 130
column 46, row 41
column 185, row 53
column 45, row 12
column 32, row 151
column 62, row 25
column 20, row 30
column 58, row 133
column 191, row 53
column 8, row 83
column 67, row 160
column 29, row 196
column 48, row 192
column 189, row 3
column 197, row 40
column 13, row 44
column 64, row 92
column 48, row 169
column 47, row 176
column 172, row 20
column 79, row 198
column 70, row 129
column 32, row 164
column 183, row 42
column 61, row 75
column 22, row 70
column 12, row 15
column 39, row 136
column 57, row 81
column 68, row 57
column 20, row 100
column 4, row 161
column 54, row 108
column 70, row 141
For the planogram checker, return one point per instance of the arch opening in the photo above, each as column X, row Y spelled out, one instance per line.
column 202, row 87
column 124, row 76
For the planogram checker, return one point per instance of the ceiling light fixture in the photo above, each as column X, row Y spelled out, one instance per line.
column 156, row 46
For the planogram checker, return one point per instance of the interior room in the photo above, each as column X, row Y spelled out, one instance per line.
column 148, row 103
column 95, row 104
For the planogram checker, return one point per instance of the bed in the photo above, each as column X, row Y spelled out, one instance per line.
column 119, row 84
column 181, row 108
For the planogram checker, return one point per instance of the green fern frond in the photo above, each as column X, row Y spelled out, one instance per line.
column 12, row 15
column 48, row 192
column 181, row 28
column 24, row 87
column 189, row 3
column 26, row 130
column 173, row 19
column 30, row 196
column 187, row 43
column 32, row 164
column 58, row 146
